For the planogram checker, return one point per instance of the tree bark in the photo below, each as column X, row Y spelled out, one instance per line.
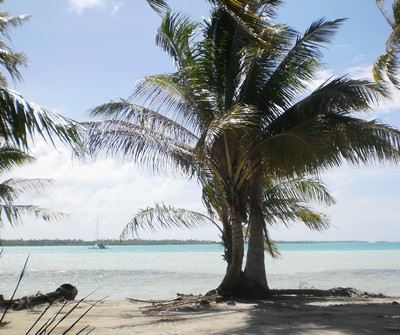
column 227, row 242
column 255, row 277
column 231, row 282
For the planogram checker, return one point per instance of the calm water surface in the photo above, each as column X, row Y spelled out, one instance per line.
column 154, row 272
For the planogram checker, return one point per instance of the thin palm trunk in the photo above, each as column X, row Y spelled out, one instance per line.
column 230, row 285
column 227, row 242
column 255, row 278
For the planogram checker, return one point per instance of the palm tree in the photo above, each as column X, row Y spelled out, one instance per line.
column 388, row 63
column 284, row 202
column 237, row 116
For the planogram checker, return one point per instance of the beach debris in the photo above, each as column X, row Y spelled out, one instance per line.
column 64, row 292
column 182, row 303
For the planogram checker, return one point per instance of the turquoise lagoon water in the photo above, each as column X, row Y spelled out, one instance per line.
column 162, row 271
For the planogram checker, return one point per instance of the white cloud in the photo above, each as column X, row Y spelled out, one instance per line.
column 116, row 7
column 80, row 6
column 113, row 193
column 103, row 190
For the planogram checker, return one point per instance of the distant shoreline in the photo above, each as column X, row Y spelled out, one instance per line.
column 56, row 242
column 74, row 242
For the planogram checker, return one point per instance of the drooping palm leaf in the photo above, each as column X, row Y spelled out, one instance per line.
column 11, row 190
column 162, row 216
column 287, row 202
column 11, row 157
column 21, row 119
column 147, row 148
column 14, row 213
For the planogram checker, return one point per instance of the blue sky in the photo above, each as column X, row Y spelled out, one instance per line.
column 86, row 52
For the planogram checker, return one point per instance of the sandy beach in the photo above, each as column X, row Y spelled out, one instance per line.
column 282, row 315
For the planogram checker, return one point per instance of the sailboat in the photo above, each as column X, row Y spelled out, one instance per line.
column 99, row 244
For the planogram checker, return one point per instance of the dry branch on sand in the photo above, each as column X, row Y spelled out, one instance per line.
column 204, row 303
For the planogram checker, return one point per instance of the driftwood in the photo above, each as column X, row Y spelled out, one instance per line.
column 64, row 292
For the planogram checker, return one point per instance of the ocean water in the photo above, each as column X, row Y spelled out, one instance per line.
column 162, row 271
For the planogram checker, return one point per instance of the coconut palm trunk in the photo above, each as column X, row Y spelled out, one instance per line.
column 255, row 277
column 231, row 282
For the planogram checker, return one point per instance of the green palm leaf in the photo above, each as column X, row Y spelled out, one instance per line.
column 9, row 59
column 162, row 216
column 285, row 202
column 159, row 6
column 11, row 190
column 388, row 63
column 11, row 157
column 21, row 119
column 175, row 35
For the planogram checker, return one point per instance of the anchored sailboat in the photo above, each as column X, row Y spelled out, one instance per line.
column 99, row 244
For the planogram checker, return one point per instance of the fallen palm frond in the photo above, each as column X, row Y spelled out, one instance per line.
column 183, row 303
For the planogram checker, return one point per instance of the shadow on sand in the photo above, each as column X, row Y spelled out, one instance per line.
column 307, row 315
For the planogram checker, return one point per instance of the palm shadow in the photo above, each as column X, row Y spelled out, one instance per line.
column 291, row 315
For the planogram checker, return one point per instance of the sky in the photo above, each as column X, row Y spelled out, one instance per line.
column 83, row 53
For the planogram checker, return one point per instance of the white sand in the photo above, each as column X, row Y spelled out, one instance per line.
column 283, row 315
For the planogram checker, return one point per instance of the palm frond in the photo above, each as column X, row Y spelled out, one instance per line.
column 175, row 36
column 126, row 113
column 299, row 65
column 21, row 119
column 147, row 147
column 254, row 16
column 12, row 189
column 305, row 190
column 237, row 117
column 11, row 157
column 8, row 22
column 10, row 60
column 159, row 6
column 360, row 141
column 387, row 65
column 166, row 95
column 162, row 216
column 282, row 208
column 13, row 214
column 341, row 96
